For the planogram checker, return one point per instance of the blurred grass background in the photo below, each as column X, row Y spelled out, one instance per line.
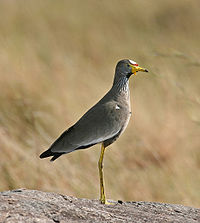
column 57, row 58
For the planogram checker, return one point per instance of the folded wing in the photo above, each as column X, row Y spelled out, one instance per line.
column 97, row 125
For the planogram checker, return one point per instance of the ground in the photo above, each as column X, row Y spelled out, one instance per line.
column 22, row 205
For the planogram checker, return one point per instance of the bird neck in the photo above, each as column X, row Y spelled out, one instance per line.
column 121, row 86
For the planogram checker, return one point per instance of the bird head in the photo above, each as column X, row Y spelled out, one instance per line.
column 128, row 67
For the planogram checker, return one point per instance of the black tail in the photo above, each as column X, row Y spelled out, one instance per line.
column 48, row 153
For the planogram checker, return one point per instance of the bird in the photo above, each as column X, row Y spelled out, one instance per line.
column 101, row 124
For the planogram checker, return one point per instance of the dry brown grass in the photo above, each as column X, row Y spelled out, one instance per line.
column 57, row 59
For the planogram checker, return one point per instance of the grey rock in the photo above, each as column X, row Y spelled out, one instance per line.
column 23, row 205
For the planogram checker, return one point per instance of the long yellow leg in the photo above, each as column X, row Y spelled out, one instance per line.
column 100, row 164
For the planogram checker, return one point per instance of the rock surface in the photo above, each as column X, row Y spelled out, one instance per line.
column 23, row 205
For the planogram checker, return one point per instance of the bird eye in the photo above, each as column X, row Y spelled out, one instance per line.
column 128, row 65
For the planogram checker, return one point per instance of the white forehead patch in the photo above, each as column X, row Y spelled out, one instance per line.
column 133, row 62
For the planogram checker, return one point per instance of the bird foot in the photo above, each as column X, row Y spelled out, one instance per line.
column 106, row 202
